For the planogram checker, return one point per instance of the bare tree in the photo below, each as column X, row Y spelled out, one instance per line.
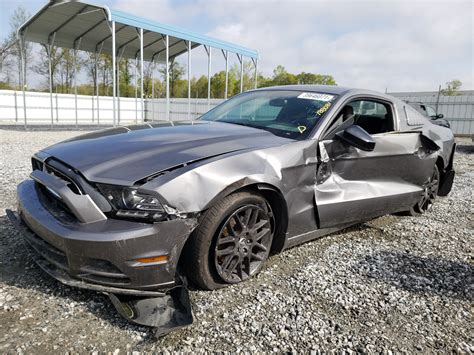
column 20, row 49
column 42, row 66
column 5, row 62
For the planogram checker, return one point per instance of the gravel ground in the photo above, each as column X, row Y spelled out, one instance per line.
column 394, row 283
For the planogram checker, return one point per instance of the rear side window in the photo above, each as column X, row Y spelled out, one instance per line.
column 430, row 111
column 413, row 117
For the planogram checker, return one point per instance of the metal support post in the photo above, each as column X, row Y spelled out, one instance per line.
column 255, row 62
column 135, row 75
column 50, row 68
column 57, row 106
column 118, row 89
column 76, row 48
column 23, row 78
column 226, row 56
column 16, row 106
column 209, row 53
column 189, row 80
column 119, row 58
column 114, row 68
column 167, row 41
column 141, row 75
column 153, row 90
column 241, row 60
column 97, row 81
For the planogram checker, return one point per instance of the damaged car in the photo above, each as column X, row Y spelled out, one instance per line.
column 133, row 211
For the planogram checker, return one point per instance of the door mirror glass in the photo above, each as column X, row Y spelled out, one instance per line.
column 439, row 115
column 357, row 137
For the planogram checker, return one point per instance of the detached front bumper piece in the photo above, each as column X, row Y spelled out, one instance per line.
column 104, row 256
column 166, row 313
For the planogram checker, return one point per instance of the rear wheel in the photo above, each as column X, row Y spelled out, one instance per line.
column 428, row 195
column 232, row 241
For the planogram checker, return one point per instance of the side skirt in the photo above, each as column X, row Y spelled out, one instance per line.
column 318, row 233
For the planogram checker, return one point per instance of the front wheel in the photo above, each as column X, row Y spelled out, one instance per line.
column 232, row 241
column 428, row 195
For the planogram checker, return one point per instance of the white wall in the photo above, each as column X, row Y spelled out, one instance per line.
column 90, row 110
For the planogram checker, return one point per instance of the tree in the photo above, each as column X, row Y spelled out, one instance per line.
column 5, row 51
column 218, row 84
column 21, row 49
column 199, row 87
column 6, row 47
column 176, row 73
column 452, row 88
column 104, row 73
column 315, row 79
column 282, row 77
column 66, row 70
column 42, row 67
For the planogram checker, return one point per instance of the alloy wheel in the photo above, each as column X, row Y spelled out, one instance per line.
column 243, row 243
column 430, row 191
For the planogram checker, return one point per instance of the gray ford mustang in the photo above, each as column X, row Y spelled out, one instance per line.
column 126, row 210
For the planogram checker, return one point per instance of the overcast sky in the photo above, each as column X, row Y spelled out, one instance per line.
column 399, row 45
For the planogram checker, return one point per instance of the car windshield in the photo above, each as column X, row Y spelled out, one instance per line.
column 290, row 114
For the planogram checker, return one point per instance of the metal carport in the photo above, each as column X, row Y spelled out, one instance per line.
column 82, row 26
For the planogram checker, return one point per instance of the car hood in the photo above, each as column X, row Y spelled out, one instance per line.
column 125, row 155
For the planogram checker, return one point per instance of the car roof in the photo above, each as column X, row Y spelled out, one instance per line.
column 327, row 89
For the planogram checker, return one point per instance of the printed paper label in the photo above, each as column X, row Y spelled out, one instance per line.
column 315, row 96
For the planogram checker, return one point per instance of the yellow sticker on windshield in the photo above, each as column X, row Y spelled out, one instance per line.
column 301, row 129
column 323, row 109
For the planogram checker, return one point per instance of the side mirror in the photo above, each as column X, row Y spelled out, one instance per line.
column 357, row 137
column 439, row 115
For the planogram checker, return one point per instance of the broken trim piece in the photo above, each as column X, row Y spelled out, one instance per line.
column 166, row 313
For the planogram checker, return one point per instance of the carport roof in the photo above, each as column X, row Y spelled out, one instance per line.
column 75, row 23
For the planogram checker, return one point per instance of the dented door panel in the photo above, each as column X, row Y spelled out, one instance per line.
column 354, row 185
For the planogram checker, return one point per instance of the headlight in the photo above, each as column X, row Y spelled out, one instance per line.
column 133, row 200
column 130, row 203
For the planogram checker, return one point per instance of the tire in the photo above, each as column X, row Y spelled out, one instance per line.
column 429, row 194
column 227, row 240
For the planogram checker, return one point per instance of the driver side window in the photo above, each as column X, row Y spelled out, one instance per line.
column 372, row 115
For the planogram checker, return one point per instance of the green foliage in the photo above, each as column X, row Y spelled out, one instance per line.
column 452, row 88
column 6, row 86
column 177, row 70
column 315, row 79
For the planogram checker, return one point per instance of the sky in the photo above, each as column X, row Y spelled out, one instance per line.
column 381, row 45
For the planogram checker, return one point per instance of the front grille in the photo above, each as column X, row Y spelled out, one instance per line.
column 70, row 182
column 36, row 164
column 55, row 206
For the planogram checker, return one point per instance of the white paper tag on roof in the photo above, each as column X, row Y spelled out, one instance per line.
column 315, row 96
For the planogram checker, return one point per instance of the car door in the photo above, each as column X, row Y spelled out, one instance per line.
column 354, row 185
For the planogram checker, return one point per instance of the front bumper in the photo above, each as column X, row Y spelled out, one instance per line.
column 100, row 255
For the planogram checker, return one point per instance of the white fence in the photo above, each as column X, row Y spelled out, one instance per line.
column 156, row 109
column 458, row 110
column 91, row 111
